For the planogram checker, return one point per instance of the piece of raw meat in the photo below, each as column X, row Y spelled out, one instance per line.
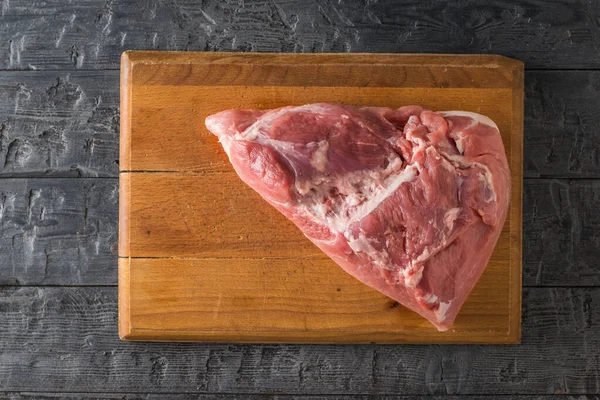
column 408, row 201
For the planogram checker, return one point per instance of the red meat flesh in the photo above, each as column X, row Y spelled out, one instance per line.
column 409, row 201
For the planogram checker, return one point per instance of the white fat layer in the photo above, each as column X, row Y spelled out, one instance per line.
column 486, row 178
column 319, row 156
column 482, row 119
column 440, row 313
column 422, row 257
column 363, row 244
column 460, row 144
column 392, row 184
column 430, row 298
column 355, row 205
column 450, row 217
column 443, row 306
column 412, row 276
column 475, row 118
column 353, row 199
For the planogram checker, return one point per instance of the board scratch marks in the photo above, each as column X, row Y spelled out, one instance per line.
column 218, row 307
column 55, row 233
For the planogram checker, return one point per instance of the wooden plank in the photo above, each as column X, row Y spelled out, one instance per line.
column 211, row 215
column 55, row 35
column 66, row 339
column 170, row 115
column 58, row 231
column 292, row 301
column 562, row 135
column 205, row 215
column 352, row 70
column 169, row 118
column 562, row 138
column 166, row 116
column 282, row 396
column 561, row 227
column 552, row 209
column 59, row 124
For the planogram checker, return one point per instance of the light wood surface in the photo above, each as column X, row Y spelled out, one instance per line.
column 204, row 258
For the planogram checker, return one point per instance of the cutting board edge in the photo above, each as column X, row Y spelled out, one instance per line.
column 124, row 296
column 129, row 333
column 133, row 57
column 125, row 86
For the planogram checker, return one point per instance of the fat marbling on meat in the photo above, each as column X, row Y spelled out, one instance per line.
column 409, row 201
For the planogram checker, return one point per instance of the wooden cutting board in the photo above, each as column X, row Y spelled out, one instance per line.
column 203, row 258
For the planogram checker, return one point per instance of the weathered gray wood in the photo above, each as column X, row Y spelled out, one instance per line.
column 64, row 231
column 92, row 34
column 61, row 231
column 561, row 232
column 562, row 124
column 171, row 396
column 67, row 124
column 66, row 339
column 59, row 124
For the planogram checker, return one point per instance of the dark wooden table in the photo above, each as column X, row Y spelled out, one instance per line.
column 59, row 139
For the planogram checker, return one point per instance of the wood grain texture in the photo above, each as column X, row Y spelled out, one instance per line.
column 552, row 209
column 56, row 35
column 561, row 137
column 174, row 92
column 152, row 149
column 66, row 338
column 562, row 239
column 292, row 301
column 204, row 215
column 235, row 396
column 58, row 124
column 201, row 209
column 58, row 232
column 173, row 215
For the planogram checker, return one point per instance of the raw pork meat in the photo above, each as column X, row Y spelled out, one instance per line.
column 409, row 201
